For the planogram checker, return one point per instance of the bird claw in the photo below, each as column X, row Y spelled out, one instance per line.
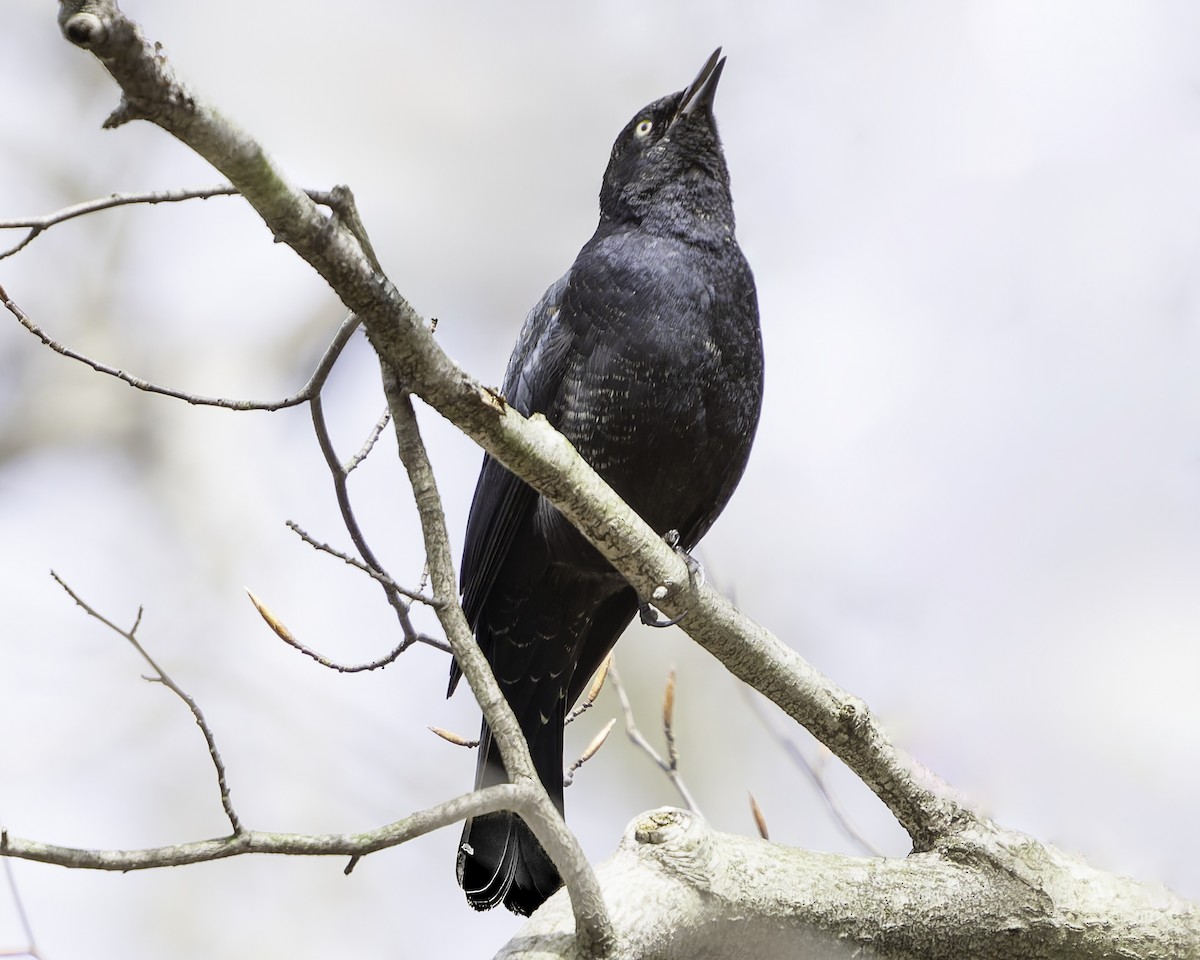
column 647, row 613
column 652, row 618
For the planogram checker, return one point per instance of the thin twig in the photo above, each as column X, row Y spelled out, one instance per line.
column 22, row 917
column 195, row 399
column 334, row 199
column 283, row 633
column 161, row 677
column 36, row 225
column 359, row 565
column 338, row 474
column 367, row 447
column 814, row 773
column 640, row 741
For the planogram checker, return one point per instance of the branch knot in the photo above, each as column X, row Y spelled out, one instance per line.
column 85, row 29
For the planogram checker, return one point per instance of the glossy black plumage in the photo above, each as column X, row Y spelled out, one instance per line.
column 647, row 356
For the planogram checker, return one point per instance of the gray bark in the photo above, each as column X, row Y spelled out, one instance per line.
column 677, row 888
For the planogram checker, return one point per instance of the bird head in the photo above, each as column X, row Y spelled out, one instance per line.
column 667, row 168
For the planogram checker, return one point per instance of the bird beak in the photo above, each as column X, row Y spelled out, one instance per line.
column 701, row 91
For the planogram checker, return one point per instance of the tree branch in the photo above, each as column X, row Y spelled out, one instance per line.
column 504, row 796
column 590, row 917
column 815, row 774
column 678, row 889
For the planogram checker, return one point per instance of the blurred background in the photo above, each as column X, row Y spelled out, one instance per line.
column 974, row 499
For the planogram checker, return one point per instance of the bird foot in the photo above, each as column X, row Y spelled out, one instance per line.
column 648, row 614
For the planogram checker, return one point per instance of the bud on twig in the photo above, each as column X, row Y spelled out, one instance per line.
column 668, row 713
column 273, row 621
column 669, row 701
column 598, row 683
column 759, row 820
column 451, row 737
column 589, row 751
column 593, row 691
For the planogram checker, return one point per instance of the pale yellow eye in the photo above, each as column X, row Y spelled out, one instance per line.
column 642, row 130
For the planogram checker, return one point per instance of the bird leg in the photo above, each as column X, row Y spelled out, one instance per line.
column 648, row 614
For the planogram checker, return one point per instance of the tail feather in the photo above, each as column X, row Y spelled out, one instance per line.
column 499, row 858
column 500, row 861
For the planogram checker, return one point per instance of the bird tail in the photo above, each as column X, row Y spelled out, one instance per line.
column 499, row 858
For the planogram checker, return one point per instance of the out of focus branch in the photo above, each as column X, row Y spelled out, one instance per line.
column 669, row 764
column 815, row 773
column 31, row 948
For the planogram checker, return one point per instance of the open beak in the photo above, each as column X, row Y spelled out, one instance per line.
column 701, row 91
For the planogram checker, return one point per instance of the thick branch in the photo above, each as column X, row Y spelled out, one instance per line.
column 678, row 889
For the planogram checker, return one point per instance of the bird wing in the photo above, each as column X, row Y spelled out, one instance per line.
column 503, row 504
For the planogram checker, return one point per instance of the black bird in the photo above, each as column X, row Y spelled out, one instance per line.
column 647, row 356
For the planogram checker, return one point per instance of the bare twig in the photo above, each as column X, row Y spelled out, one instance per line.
column 369, row 445
column 334, row 199
column 815, row 774
column 370, row 571
column 31, row 949
column 160, row 676
column 668, row 766
column 195, row 399
column 338, row 474
column 36, row 225
column 283, row 633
